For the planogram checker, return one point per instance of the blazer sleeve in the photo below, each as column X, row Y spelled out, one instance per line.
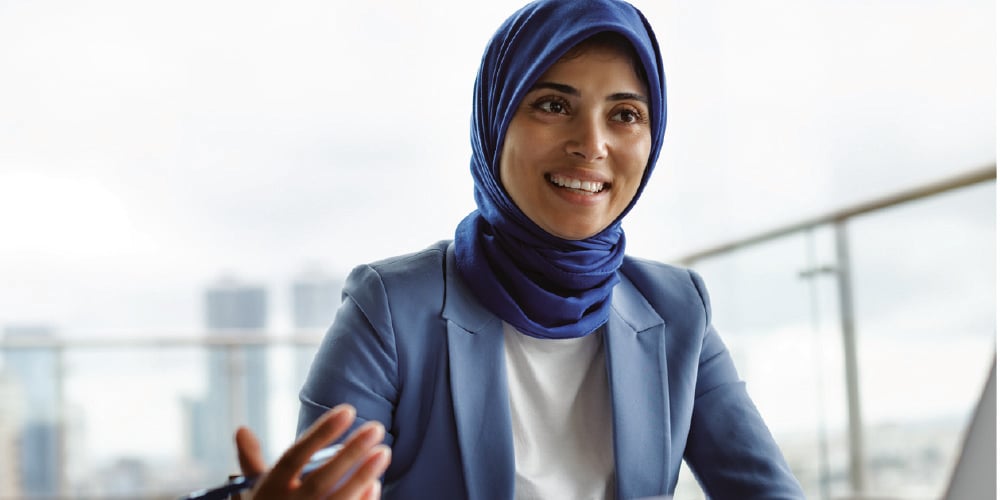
column 730, row 450
column 356, row 362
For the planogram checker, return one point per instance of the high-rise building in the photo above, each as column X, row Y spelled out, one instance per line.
column 11, row 413
column 39, row 432
column 231, row 305
column 237, row 386
column 315, row 298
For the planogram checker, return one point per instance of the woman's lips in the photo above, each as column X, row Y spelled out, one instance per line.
column 577, row 184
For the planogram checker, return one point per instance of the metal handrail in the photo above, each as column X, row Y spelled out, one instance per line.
column 227, row 338
column 964, row 179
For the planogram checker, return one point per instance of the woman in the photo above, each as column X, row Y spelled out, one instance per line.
column 531, row 358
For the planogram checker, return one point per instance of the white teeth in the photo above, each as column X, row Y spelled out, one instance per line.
column 593, row 187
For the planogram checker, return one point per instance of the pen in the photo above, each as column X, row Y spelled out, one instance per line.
column 240, row 483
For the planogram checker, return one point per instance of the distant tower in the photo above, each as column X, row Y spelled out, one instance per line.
column 237, row 376
column 39, row 433
column 11, row 413
column 315, row 298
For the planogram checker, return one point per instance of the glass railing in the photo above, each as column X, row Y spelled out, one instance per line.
column 864, row 340
column 865, row 337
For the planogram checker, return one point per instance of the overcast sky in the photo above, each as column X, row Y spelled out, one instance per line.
column 146, row 148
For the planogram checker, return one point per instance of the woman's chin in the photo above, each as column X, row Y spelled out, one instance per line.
column 573, row 231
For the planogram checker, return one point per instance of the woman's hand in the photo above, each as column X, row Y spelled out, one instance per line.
column 362, row 452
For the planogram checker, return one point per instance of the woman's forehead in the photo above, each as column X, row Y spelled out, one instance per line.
column 599, row 54
column 596, row 65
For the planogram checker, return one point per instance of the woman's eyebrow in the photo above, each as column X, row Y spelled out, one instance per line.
column 558, row 87
column 569, row 89
column 628, row 96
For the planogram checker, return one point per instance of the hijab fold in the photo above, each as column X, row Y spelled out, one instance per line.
column 543, row 285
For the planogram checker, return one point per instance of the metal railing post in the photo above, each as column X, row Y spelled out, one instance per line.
column 855, row 426
column 62, row 422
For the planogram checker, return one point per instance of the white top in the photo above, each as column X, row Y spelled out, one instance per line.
column 560, row 411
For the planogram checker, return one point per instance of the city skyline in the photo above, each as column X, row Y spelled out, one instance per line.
column 238, row 384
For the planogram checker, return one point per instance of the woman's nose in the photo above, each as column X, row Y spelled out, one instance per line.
column 588, row 140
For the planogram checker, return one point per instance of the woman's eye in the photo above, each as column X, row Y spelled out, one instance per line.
column 551, row 107
column 627, row 116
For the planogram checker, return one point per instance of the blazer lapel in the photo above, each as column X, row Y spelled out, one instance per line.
column 637, row 376
column 478, row 391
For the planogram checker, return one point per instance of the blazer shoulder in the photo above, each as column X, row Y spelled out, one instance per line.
column 406, row 263
column 667, row 287
column 652, row 266
column 407, row 270
column 401, row 284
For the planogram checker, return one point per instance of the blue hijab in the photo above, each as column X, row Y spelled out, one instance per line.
column 543, row 285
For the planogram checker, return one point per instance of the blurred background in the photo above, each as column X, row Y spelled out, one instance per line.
column 184, row 185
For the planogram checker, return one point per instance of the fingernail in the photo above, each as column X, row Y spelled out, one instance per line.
column 385, row 453
column 374, row 491
column 344, row 408
column 371, row 424
column 372, row 431
column 382, row 457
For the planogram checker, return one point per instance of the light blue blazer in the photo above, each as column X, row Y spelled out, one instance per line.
column 412, row 348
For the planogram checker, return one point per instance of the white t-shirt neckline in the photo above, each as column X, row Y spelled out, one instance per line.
column 560, row 416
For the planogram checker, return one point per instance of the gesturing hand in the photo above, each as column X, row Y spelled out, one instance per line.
column 362, row 453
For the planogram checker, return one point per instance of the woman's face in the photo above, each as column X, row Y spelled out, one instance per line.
column 577, row 146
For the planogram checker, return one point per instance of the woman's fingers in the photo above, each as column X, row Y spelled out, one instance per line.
column 356, row 449
column 248, row 450
column 324, row 431
column 354, row 471
column 364, row 482
column 374, row 491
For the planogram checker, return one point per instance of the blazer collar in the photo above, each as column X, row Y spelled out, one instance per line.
column 637, row 379
column 478, row 390
column 460, row 306
column 633, row 308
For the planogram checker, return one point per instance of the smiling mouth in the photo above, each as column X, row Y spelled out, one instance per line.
column 587, row 187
